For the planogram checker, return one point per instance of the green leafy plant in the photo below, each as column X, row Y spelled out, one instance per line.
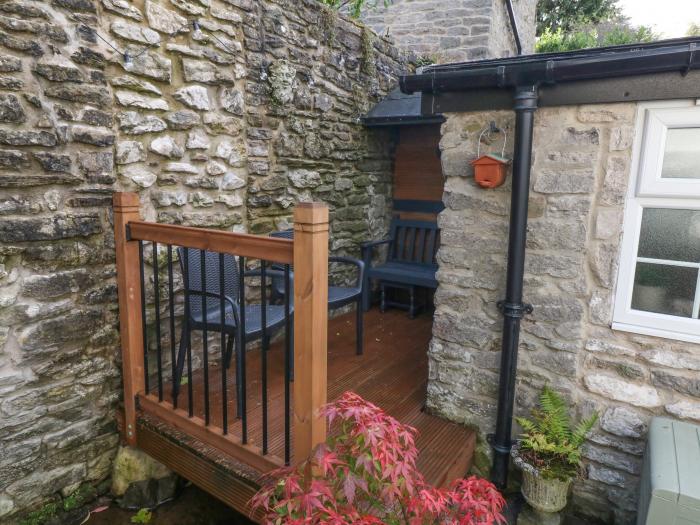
column 78, row 498
column 354, row 7
column 142, row 516
column 368, row 64
column 426, row 60
column 550, row 442
column 41, row 516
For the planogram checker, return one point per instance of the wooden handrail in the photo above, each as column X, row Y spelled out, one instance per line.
column 310, row 325
column 255, row 246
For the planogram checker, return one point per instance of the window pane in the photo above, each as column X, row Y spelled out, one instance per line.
column 682, row 154
column 664, row 289
column 670, row 234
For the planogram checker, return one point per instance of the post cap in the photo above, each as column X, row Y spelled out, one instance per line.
column 311, row 213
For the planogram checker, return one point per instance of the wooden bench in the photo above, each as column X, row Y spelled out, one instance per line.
column 410, row 262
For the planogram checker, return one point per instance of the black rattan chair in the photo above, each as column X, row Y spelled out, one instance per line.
column 338, row 296
column 198, row 266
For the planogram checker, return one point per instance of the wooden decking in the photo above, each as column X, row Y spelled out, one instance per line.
column 392, row 373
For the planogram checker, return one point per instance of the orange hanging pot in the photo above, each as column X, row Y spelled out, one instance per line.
column 490, row 170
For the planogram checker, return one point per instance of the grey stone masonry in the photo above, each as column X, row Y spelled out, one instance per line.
column 455, row 31
column 580, row 174
column 59, row 370
column 227, row 125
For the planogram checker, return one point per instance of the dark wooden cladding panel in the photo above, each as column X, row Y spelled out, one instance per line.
column 417, row 167
column 255, row 246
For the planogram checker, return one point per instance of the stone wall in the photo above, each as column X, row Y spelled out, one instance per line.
column 226, row 124
column 59, row 377
column 455, row 31
column 580, row 175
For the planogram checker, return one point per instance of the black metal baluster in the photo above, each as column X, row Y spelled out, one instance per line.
column 205, row 335
column 156, row 293
column 265, row 345
column 190, row 393
column 222, row 319
column 143, row 317
column 171, row 313
column 287, row 366
column 242, row 345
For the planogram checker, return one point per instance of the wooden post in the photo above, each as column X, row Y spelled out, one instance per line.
column 310, row 325
column 126, row 209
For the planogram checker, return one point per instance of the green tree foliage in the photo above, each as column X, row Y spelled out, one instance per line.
column 550, row 442
column 556, row 41
column 624, row 34
column 354, row 7
column 693, row 29
column 567, row 25
column 553, row 15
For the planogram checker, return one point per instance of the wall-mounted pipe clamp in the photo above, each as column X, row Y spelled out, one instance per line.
column 515, row 310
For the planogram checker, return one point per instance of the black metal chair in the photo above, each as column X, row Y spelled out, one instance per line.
column 338, row 296
column 198, row 266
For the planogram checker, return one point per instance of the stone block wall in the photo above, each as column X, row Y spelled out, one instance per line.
column 225, row 124
column 456, row 31
column 59, row 376
column 580, row 176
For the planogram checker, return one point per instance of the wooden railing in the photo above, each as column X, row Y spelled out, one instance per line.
column 308, row 253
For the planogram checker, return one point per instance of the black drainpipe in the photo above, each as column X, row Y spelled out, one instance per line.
column 512, row 307
column 514, row 27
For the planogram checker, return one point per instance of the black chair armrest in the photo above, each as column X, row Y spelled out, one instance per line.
column 355, row 262
column 231, row 302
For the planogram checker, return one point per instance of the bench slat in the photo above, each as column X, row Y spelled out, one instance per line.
column 431, row 245
column 411, row 237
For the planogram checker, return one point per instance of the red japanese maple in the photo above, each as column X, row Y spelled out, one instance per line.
column 366, row 475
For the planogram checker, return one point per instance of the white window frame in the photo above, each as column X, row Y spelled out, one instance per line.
column 657, row 123
column 648, row 190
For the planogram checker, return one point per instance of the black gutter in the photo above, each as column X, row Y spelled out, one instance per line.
column 512, row 307
column 514, row 27
column 375, row 122
column 533, row 70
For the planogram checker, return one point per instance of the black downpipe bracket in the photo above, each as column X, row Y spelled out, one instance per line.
column 512, row 307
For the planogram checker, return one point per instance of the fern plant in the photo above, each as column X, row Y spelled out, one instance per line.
column 550, row 442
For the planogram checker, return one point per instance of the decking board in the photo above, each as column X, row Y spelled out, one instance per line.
column 392, row 373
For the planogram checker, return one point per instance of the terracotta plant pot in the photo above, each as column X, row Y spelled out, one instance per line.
column 544, row 495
